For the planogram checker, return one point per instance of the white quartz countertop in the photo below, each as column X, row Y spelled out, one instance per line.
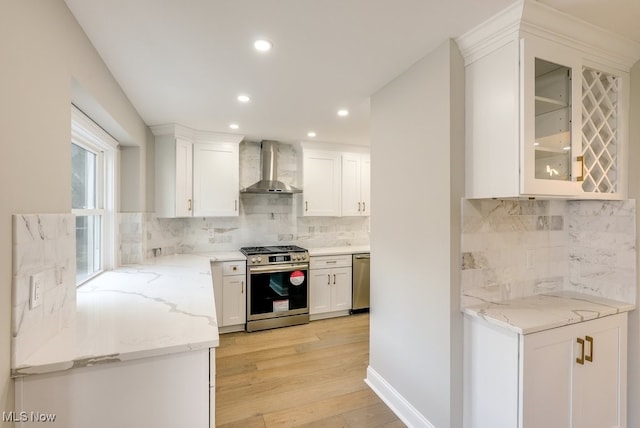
column 162, row 306
column 546, row 311
column 329, row 251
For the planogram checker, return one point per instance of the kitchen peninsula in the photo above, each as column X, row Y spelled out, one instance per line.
column 140, row 352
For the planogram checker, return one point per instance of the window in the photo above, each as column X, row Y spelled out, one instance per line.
column 92, row 196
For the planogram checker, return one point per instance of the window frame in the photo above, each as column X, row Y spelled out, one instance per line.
column 86, row 134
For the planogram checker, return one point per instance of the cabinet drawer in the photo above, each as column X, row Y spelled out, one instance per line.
column 330, row 261
column 234, row 268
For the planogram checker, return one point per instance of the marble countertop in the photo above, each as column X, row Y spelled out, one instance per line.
column 329, row 251
column 546, row 311
column 162, row 306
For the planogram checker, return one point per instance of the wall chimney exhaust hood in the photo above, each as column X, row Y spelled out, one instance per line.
column 269, row 182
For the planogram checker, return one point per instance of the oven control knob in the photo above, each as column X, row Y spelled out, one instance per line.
column 259, row 259
column 253, row 259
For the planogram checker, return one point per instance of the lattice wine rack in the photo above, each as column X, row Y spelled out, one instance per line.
column 599, row 131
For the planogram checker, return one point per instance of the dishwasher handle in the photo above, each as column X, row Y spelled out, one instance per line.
column 361, row 256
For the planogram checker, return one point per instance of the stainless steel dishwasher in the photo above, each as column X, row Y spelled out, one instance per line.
column 360, row 302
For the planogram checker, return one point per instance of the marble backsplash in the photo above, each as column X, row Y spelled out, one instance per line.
column 263, row 220
column 602, row 249
column 518, row 248
column 42, row 244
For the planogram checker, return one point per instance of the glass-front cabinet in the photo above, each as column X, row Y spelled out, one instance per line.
column 571, row 121
column 546, row 107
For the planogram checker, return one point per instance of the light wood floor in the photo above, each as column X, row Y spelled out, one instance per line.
column 310, row 375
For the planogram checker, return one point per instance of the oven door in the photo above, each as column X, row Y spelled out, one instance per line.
column 277, row 291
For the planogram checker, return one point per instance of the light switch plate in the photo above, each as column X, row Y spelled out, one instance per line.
column 35, row 290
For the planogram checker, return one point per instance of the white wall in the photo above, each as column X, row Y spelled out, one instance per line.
column 633, row 380
column 42, row 51
column 417, row 140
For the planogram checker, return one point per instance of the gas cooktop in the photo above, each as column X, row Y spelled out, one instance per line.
column 275, row 249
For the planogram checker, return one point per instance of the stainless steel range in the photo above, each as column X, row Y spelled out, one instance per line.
column 277, row 286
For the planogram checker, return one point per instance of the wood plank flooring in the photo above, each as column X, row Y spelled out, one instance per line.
column 310, row 375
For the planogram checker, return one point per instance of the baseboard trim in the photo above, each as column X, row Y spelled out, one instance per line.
column 396, row 402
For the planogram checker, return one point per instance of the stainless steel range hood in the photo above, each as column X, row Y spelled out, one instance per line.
column 269, row 182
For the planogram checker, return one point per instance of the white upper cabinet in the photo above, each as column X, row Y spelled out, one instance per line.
column 196, row 173
column 183, row 204
column 335, row 180
column 321, row 178
column 356, row 178
column 546, row 106
column 216, row 179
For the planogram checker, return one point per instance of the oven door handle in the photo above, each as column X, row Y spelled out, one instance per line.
column 286, row 268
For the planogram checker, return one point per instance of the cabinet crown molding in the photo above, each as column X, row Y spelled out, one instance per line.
column 180, row 131
column 528, row 17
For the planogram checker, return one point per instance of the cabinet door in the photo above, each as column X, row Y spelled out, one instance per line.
column 365, row 184
column 575, row 376
column 321, row 172
column 551, row 112
column 356, row 175
column 351, row 185
column 319, row 291
column 600, row 384
column 234, row 303
column 341, row 289
column 184, row 178
column 216, row 175
column 548, row 359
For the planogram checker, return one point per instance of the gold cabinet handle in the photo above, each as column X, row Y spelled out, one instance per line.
column 306, row 206
column 590, row 342
column 581, row 359
column 364, row 207
column 334, row 278
column 329, row 279
column 242, row 289
column 359, row 206
column 581, row 176
column 235, row 205
column 190, row 205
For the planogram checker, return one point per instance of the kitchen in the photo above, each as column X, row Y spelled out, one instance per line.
column 432, row 322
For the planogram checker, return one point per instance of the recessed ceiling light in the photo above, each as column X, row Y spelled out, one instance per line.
column 244, row 98
column 262, row 45
column 311, row 134
column 234, row 126
column 343, row 112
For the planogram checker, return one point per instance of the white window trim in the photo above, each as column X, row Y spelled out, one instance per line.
column 87, row 134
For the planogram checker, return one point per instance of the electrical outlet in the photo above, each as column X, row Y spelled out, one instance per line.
column 35, row 290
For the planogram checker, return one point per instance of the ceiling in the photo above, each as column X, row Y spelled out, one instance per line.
column 186, row 61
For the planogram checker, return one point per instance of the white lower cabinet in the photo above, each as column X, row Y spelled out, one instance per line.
column 167, row 391
column 329, row 286
column 230, row 293
column 234, row 300
column 572, row 376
